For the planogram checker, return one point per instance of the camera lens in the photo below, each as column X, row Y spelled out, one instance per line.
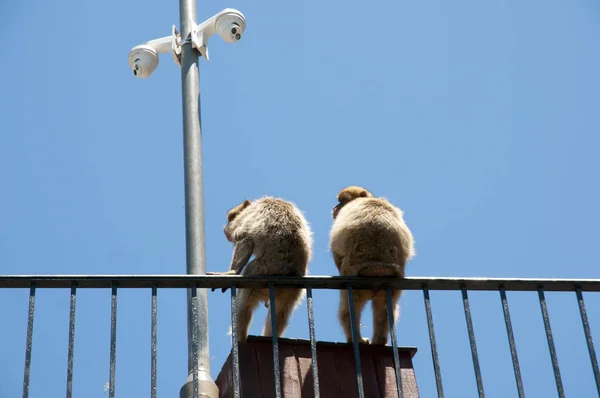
column 238, row 36
column 234, row 31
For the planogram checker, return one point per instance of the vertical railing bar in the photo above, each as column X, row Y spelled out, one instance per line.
column 195, row 385
column 511, row 342
column 313, row 341
column 353, row 328
column 472, row 342
column 71, row 348
column 274, row 340
column 434, row 352
column 588, row 337
column 234, row 342
column 29, row 341
column 390, row 311
column 557, row 377
column 153, row 343
column 113, row 340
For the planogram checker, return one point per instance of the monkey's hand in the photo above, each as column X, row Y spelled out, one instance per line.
column 230, row 272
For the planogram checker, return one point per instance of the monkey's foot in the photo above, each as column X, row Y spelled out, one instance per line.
column 362, row 340
column 379, row 341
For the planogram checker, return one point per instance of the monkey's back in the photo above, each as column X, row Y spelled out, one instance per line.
column 370, row 230
column 281, row 234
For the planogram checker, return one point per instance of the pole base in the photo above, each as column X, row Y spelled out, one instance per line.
column 206, row 386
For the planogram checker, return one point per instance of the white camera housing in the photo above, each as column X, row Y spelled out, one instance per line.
column 143, row 60
column 230, row 24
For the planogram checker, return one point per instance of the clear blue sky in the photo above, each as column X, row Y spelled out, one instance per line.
column 479, row 119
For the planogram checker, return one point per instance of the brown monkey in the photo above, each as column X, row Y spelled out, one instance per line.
column 278, row 235
column 369, row 238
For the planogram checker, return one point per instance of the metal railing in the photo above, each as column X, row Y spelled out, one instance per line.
column 155, row 282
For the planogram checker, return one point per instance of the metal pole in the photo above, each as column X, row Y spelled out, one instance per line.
column 194, row 206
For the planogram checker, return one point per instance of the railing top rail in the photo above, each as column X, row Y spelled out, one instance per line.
column 315, row 282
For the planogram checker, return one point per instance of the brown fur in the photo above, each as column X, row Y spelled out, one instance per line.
column 369, row 238
column 278, row 235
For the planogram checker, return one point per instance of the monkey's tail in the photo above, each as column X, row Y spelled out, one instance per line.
column 380, row 270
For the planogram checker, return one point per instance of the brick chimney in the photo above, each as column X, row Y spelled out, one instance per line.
column 337, row 371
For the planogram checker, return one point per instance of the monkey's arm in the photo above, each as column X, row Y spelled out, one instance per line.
column 241, row 255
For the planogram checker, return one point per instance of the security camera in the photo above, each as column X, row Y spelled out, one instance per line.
column 143, row 60
column 229, row 24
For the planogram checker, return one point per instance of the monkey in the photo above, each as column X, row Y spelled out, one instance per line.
column 369, row 237
column 279, row 236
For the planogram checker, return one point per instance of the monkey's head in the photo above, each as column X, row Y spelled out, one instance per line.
column 231, row 215
column 347, row 195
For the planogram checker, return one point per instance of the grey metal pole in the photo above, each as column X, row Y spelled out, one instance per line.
column 194, row 207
